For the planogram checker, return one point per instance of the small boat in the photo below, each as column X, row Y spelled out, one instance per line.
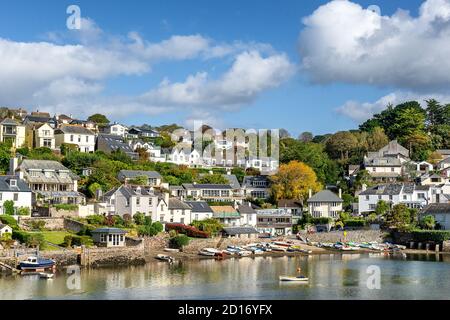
column 171, row 250
column 297, row 278
column 206, row 253
column 244, row 253
column 347, row 248
column 163, row 257
column 35, row 263
column 282, row 243
column 45, row 275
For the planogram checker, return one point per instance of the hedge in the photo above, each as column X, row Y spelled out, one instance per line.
column 321, row 220
column 9, row 220
column 431, row 235
column 354, row 223
column 74, row 240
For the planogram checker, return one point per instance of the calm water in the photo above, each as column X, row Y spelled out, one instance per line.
column 338, row 276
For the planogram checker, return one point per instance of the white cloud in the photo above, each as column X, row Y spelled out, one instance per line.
column 69, row 71
column 361, row 111
column 345, row 42
column 250, row 75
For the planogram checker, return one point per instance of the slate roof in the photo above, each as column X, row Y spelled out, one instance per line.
column 9, row 121
column 246, row 209
column 206, row 186
column 383, row 162
column 249, row 181
column 73, row 129
column 325, row 196
column 21, row 186
column 199, row 206
column 175, row 203
column 386, row 189
column 131, row 174
column 109, row 230
column 40, row 166
column 110, row 143
column 232, row 231
column 128, row 191
column 435, row 208
column 3, row 225
column 289, row 203
column 232, row 180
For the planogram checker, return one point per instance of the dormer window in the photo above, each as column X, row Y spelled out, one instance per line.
column 13, row 183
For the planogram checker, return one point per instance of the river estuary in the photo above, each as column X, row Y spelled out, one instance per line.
column 335, row 276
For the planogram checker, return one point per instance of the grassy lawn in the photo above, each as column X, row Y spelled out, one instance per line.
column 55, row 237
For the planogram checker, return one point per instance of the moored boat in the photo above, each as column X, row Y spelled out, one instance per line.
column 171, row 250
column 45, row 275
column 163, row 257
column 291, row 278
column 206, row 253
column 34, row 263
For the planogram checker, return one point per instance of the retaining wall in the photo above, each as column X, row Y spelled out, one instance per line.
column 353, row 235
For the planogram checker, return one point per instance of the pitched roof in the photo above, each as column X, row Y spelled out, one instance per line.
column 435, row 208
column 73, row 129
column 10, row 121
column 21, row 186
column 289, row 203
column 325, row 196
column 175, row 203
column 42, row 165
column 206, row 186
column 199, row 206
column 232, row 180
column 249, row 181
column 246, row 209
column 109, row 230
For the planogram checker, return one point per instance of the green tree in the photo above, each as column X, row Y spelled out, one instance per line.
column 99, row 119
column 382, row 208
column 179, row 241
column 213, row 179
column 139, row 218
column 8, row 207
column 428, row 222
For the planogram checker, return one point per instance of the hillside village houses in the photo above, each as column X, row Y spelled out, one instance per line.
column 12, row 131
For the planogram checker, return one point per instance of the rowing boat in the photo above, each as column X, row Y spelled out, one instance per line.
column 290, row 278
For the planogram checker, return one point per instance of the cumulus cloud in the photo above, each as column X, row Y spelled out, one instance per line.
column 249, row 75
column 69, row 71
column 361, row 111
column 345, row 42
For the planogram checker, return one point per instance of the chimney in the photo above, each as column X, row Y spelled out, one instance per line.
column 13, row 164
column 340, row 193
column 310, row 193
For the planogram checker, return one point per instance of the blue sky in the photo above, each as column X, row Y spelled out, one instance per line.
column 311, row 81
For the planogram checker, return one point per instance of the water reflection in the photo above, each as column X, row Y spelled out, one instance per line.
column 334, row 276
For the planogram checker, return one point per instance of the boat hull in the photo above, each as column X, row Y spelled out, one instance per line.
column 297, row 279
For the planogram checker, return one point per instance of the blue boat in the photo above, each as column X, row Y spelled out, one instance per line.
column 35, row 263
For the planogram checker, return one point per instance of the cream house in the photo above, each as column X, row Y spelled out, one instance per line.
column 12, row 131
column 44, row 136
column 325, row 204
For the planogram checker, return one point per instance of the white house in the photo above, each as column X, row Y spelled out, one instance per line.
column 276, row 222
column 185, row 156
column 387, row 163
column 411, row 195
column 80, row 136
column 14, row 189
column 116, row 129
column 130, row 200
column 44, row 136
column 179, row 212
column 200, row 210
column 154, row 152
column 248, row 215
column 5, row 229
column 127, row 176
column 325, row 204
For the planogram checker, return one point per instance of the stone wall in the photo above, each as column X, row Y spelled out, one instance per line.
column 95, row 257
column 73, row 225
column 51, row 223
column 59, row 213
column 353, row 235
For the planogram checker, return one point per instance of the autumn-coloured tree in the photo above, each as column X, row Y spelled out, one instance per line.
column 293, row 181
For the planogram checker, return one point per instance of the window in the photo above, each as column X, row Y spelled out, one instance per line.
column 367, row 198
column 379, row 197
column 182, row 220
column 392, row 169
column 161, row 218
column 391, row 197
column 138, row 201
column 196, row 215
column 102, row 237
column 79, row 138
column 87, row 138
column 71, row 137
column 16, row 196
column 47, row 143
column 150, row 201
